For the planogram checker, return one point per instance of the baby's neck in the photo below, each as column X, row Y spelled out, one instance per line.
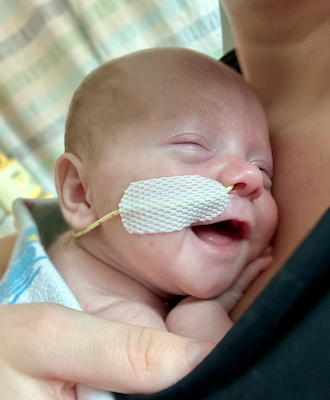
column 91, row 279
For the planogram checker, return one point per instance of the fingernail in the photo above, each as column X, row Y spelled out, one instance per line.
column 197, row 351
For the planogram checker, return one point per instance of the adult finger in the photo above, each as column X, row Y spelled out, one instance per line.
column 51, row 342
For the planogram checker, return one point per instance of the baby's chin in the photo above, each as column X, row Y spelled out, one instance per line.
column 206, row 292
column 216, row 278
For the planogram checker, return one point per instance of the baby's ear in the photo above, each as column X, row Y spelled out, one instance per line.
column 72, row 186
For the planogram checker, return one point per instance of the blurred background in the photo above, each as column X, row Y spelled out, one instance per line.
column 48, row 47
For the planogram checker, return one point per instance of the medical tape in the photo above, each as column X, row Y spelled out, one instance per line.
column 168, row 204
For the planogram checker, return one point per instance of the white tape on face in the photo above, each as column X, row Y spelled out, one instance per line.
column 167, row 204
column 171, row 203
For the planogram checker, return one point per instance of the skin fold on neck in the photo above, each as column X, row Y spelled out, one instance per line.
column 282, row 46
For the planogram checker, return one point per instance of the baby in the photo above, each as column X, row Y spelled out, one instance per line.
column 153, row 114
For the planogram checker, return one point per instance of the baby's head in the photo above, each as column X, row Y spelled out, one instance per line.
column 160, row 113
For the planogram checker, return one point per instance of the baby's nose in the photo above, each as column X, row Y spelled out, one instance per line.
column 247, row 180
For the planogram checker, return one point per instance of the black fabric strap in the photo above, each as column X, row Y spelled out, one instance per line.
column 231, row 60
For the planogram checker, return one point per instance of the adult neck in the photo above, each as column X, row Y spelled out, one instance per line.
column 282, row 46
column 279, row 43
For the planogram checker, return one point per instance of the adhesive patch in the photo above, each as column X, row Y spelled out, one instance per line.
column 171, row 203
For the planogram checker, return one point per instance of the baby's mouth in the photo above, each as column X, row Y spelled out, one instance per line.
column 230, row 229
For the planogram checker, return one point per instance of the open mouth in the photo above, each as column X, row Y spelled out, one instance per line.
column 231, row 229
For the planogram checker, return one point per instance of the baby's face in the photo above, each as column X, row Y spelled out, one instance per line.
column 190, row 127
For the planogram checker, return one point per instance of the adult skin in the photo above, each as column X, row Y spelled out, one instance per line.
column 284, row 54
column 283, row 50
column 46, row 348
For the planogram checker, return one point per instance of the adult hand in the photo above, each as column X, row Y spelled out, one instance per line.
column 45, row 349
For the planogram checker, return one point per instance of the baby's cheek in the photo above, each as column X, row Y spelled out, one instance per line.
column 267, row 216
column 153, row 247
column 271, row 218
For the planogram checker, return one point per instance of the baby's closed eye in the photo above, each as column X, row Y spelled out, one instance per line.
column 191, row 148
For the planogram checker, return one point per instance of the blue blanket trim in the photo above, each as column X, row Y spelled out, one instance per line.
column 24, row 268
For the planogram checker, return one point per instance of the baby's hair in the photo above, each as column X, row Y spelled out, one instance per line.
column 84, row 128
column 98, row 108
